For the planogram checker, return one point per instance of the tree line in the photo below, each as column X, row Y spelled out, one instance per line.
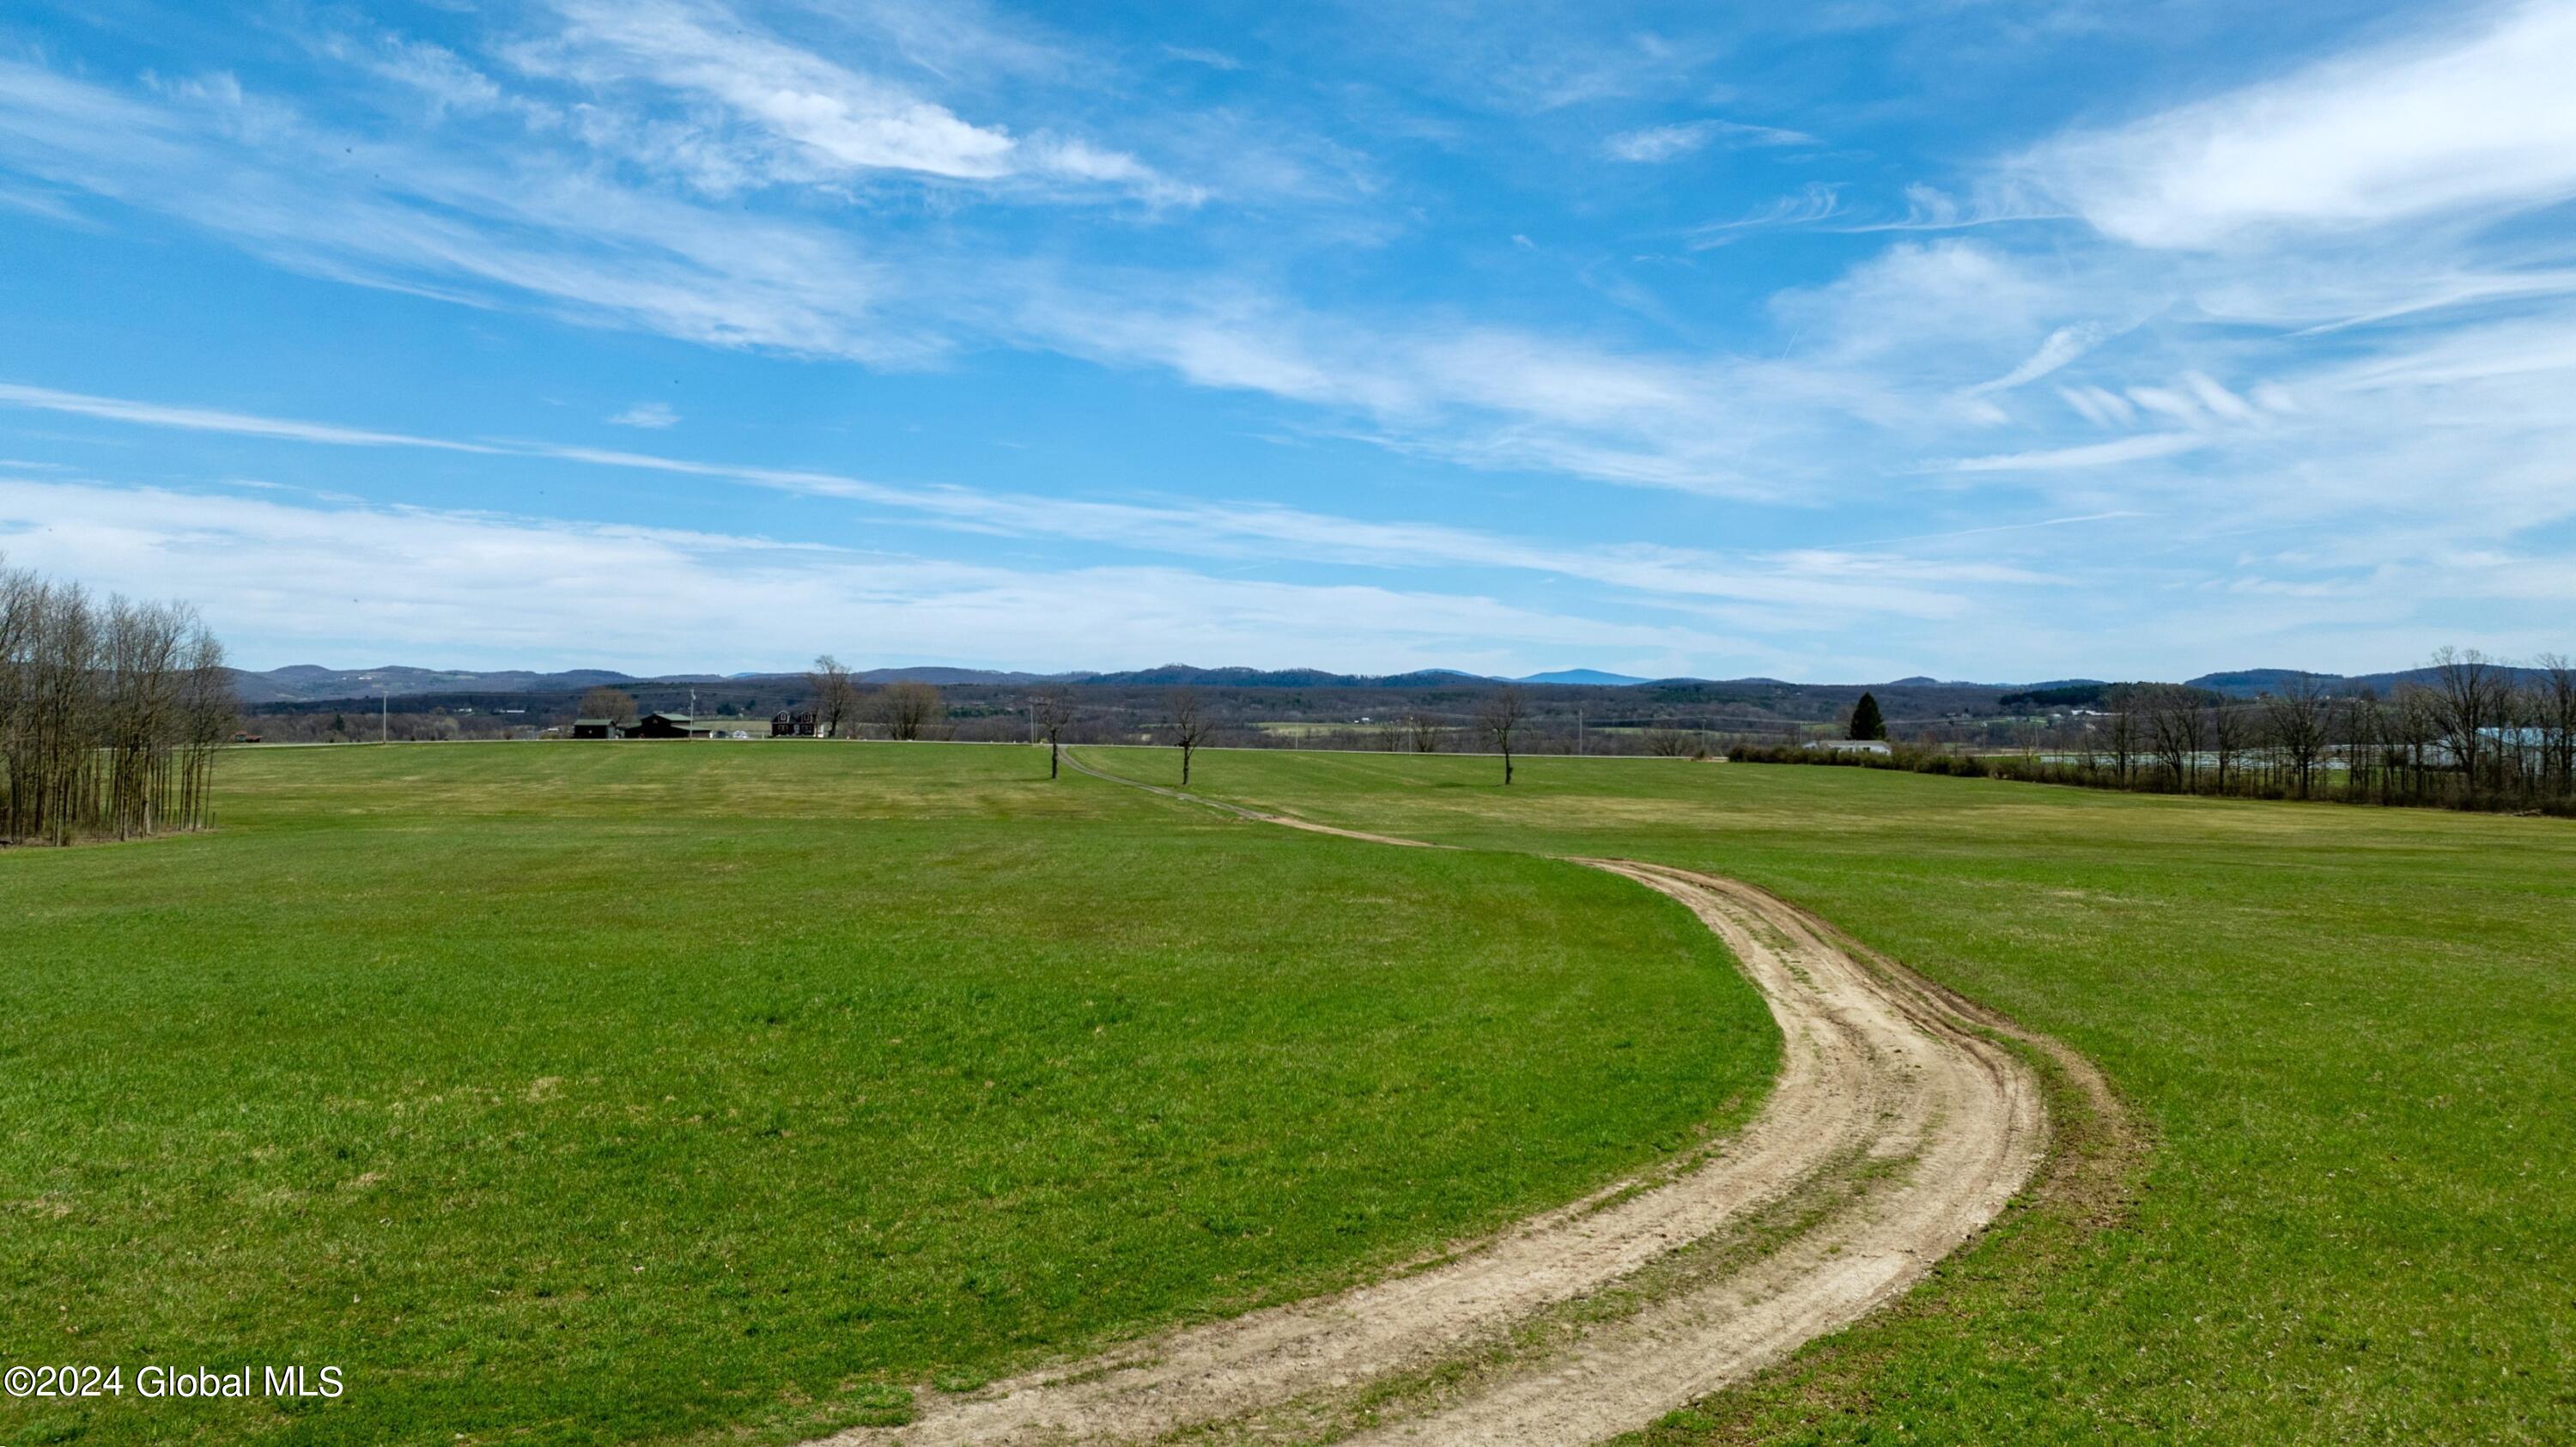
column 111, row 712
column 2476, row 733
column 909, row 709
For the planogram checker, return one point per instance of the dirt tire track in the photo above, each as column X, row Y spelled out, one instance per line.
column 1289, row 821
column 1875, row 1065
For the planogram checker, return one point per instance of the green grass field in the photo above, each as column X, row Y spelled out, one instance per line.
column 674, row 1093
column 2348, row 1034
column 617, row 1093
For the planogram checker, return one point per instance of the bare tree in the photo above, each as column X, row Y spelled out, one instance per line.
column 1052, row 711
column 2173, row 727
column 2418, row 723
column 2121, row 735
column 2297, row 716
column 109, row 714
column 2557, row 689
column 613, row 704
column 1666, row 742
column 208, row 714
column 1190, row 726
column 2229, row 725
column 1422, row 733
column 836, row 697
column 1504, row 710
column 62, row 671
column 138, row 711
column 2470, row 692
column 2365, row 735
column 909, row 708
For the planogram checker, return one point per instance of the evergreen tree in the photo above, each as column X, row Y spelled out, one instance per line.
column 1866, row 720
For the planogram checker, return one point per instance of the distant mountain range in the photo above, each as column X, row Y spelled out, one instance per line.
column 309, row 683
column 1585, row 677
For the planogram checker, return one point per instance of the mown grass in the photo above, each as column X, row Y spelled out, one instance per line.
column 617, row 1093
column 2349, row 1035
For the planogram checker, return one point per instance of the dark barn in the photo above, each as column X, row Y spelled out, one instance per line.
column 659, row 725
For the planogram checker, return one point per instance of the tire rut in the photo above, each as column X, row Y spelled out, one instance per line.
column 1875, row 1065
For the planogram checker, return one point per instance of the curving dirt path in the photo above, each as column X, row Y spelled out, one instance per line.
column 1896, row 1129
column 1289, row 821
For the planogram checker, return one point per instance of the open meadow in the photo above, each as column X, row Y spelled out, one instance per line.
column 678, row 1093
column 2344, row 1036
column 694, row 1093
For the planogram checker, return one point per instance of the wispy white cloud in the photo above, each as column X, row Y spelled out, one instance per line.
column 1202, row 55
column 652, row 415
column 578, row 243
column 2099, row 407
column 2474, row 116
column 1858, row 584
column 820, row 117
column 2091, row 454
column 2063, row 346
column 1656, row 144
column 1810, row 203
column 1996, row 200
column 208, row 419
column 390, row 215
column 828, row 186
column 305, row 580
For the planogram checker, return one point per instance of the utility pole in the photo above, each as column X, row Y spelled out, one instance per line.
column 385, row 718
column 1578, row 728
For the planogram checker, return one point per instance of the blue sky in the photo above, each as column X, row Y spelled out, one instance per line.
column 2000, row 341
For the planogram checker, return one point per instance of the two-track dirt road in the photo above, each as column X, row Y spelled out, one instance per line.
column 1897, row 1128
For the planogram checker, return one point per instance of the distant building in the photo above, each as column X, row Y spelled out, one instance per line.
column 1849, row 746
column 660, row 725
column 598, row 728
column 797, row 725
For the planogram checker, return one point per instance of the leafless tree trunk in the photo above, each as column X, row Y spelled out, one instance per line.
column 208, row 712
column 62, row 678
column 2365, row 734
column 1665, row 741
column 1052, row 711
column 1505, row 709
column 2469, row 689
column 2228, row 725
column 139, row 712
column 2173, row 725
column 836, row 698
column 2122, row 732
column 1422, row 733
column 2419, row 723
column 99, row 713
column 2558, row 721
column 1190, row 726
column 2298, row 719
column 21, row 605
column 909, row 709
column 2522, row 749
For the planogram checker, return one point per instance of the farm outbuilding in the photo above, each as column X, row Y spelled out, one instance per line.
column 660, row 725
column 598, row 728
column 1849, row 746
